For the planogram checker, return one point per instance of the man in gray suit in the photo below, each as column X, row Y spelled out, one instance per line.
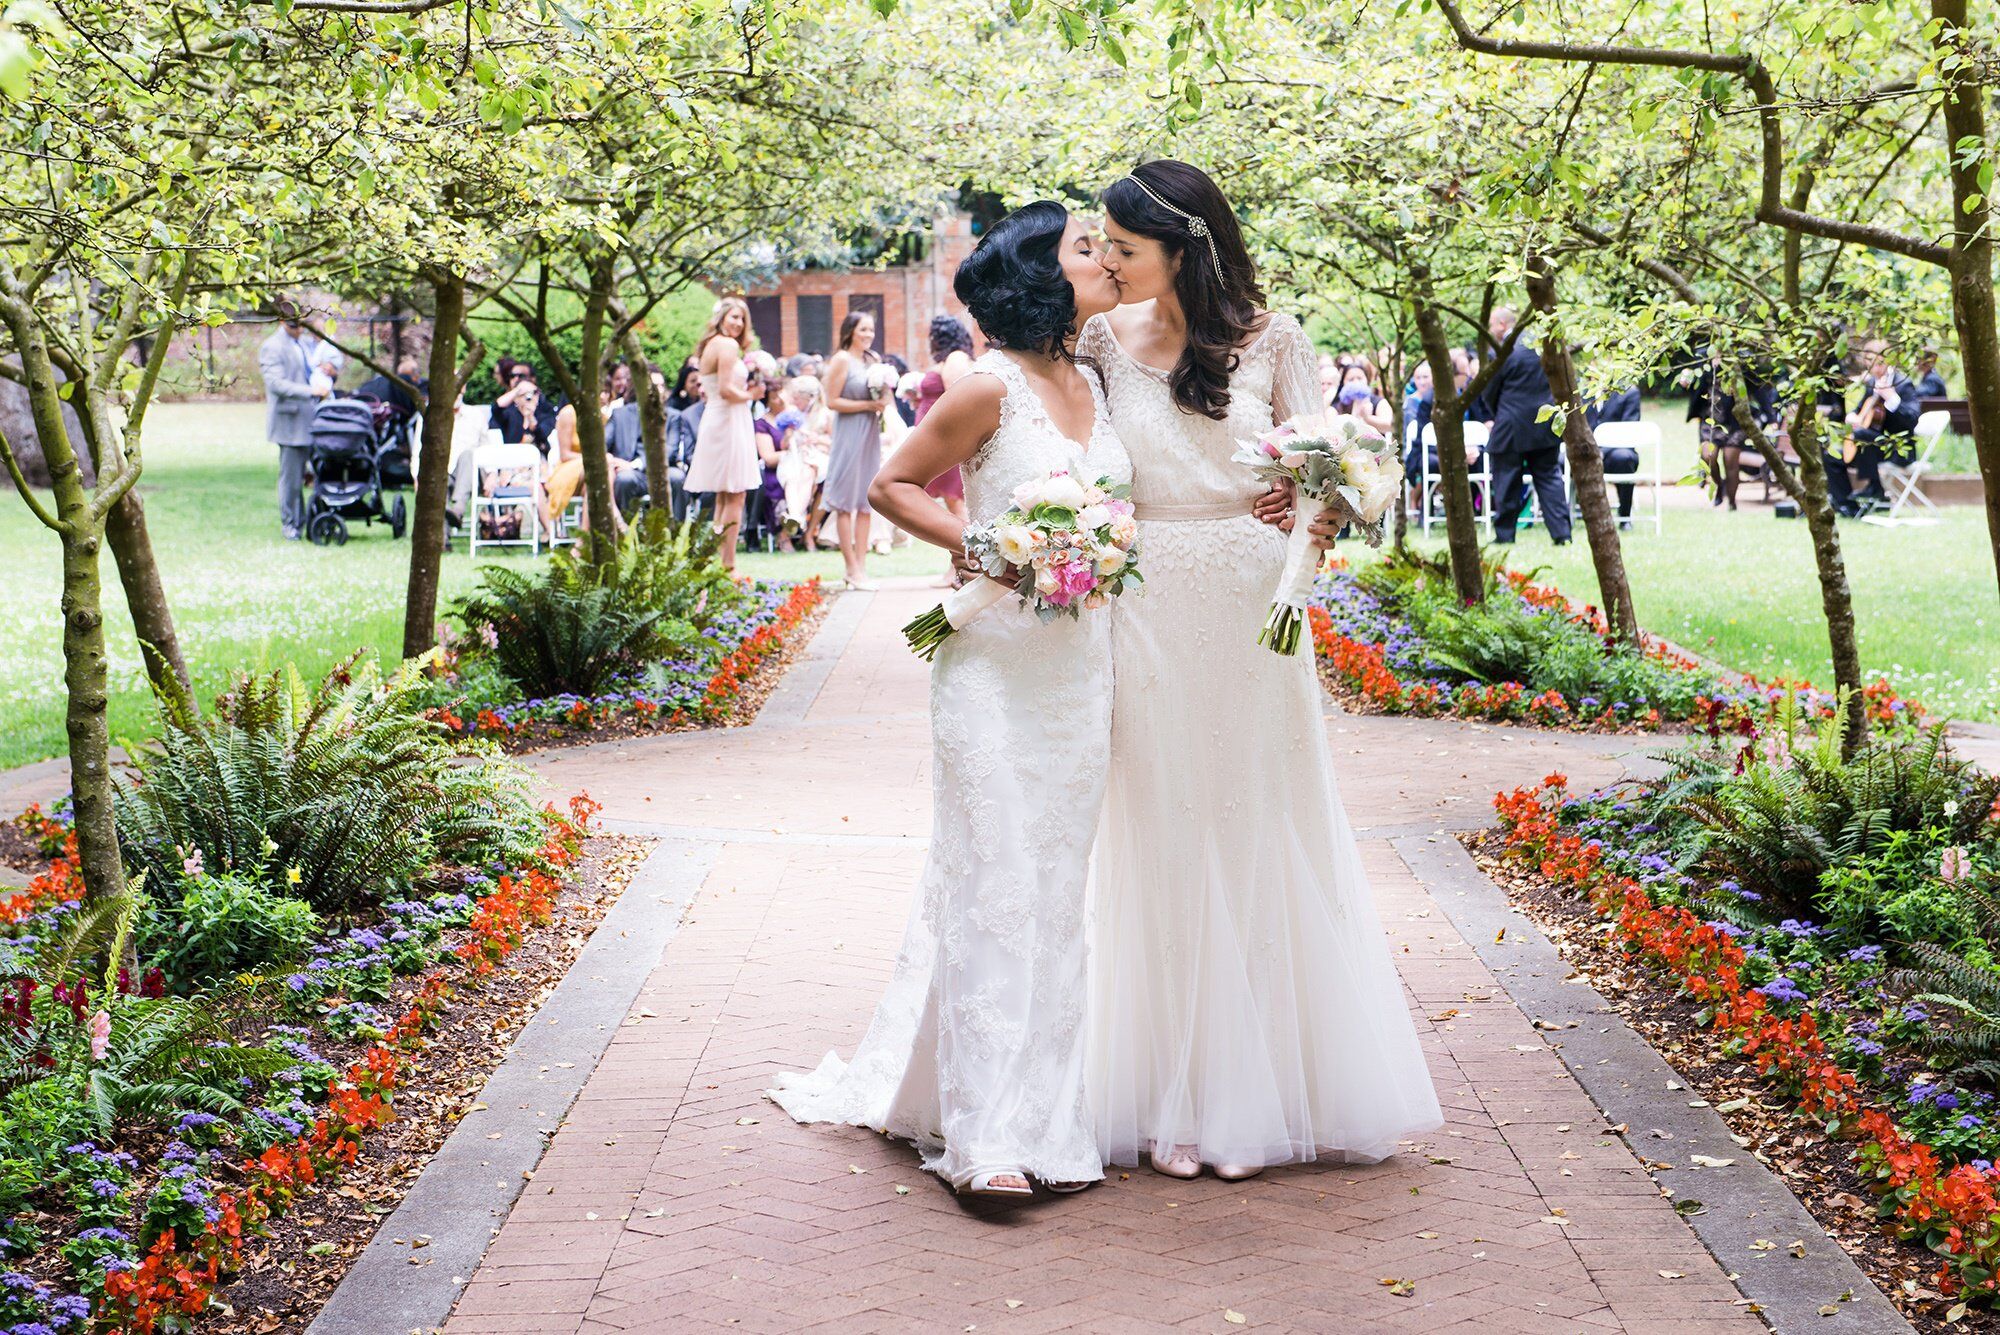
column 290, row 400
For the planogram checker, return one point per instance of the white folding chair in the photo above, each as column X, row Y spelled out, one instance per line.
column 1643, row 439
column 519, row 457
column 1482, row 478
column 1903, row 483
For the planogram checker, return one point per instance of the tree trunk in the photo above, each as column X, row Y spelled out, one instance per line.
column 1972, row 303
column 1394, row 378
column 1461, row 526
column 1808, row 487
column 1586, row 463
column 145, row 594
column 652, row 427
column 590, row 408
column 434, row 467
column 86, row 674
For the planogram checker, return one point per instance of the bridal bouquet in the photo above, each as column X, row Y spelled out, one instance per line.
column 1064, row 545
column 1329, row 462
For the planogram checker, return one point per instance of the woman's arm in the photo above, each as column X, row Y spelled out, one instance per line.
column 728, row 354
column 836, row 381
column 950, row 434
column 566, row 433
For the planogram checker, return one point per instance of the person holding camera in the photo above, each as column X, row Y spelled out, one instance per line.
column 857, row 396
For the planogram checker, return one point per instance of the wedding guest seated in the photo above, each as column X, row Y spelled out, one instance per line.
column 1930, row 384
column 1622, row 406
column 385, row 389
column 1357, row 398
column 774, row 425
column 522, row 413
column 1726, row 448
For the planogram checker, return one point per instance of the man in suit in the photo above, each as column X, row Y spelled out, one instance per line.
column 1889, row 434
column 1518, row 444
column 290, row 400
column 1930, row 384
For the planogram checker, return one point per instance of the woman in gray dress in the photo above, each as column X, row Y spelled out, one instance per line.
column 857, row 441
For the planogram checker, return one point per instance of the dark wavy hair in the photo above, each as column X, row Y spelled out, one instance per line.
column 847, row 324
column 1221, row 312
column 949, row 335
column 1013, row 284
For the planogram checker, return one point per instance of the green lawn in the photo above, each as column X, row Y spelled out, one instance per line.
column 243, row 596
column 1741, row 589
column 1738, row 586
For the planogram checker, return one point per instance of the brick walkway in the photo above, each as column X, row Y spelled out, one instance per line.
column 676, row 1198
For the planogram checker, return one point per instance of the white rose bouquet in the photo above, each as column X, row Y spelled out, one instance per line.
column 1329, row 462
column 1064, row 546
column 882, row 379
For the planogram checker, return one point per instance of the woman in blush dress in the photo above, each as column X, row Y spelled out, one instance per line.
column 725, row 444
column 951, row 357
column 976, row 1051
column 1244, row 1008
column 856, row 452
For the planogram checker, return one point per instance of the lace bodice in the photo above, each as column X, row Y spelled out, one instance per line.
column 1180, row 459
column 1027, row 446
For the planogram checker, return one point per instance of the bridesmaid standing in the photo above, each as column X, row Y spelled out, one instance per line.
column 857, row 441
column 725, row 445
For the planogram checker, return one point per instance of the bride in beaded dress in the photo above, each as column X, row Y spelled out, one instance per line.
column 1244, row 1008
column 976, row 1051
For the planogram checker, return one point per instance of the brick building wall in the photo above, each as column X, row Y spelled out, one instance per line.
column 803, row 310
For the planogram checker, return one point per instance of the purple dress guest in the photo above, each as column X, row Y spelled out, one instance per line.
column 774, row 432
column 949, row 485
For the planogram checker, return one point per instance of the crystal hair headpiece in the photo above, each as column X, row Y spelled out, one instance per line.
column 1196, row 225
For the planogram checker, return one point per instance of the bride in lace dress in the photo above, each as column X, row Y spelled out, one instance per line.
column 1244, row 1009
column 976, row 1051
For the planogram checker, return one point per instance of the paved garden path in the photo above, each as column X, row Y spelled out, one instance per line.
column 676, row 1198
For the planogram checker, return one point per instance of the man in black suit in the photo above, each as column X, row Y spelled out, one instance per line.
column 1930, row 384
column 1519, row 444
column 1889, row 434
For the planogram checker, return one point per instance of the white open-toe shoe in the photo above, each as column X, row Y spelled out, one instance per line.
column 987, row 1182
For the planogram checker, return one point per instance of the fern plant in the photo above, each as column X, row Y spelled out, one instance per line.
column 1784, row 830
column 337, row 794
column 1964, row 993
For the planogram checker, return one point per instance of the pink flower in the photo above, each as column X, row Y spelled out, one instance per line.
column 1073, row 580
column 1955, row 865
column 191, row 864
column 1271, row 440
column 1117, row 507
column 100, row 1035
column 490, row 636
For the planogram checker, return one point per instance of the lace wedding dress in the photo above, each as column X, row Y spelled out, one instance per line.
column 1242, row 997
column 976, row 1051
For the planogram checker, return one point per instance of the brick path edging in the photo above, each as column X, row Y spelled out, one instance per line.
column 1627, row 1078
column 470, row 1186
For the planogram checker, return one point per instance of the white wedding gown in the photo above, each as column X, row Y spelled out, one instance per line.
column 1243, row 1001
column 976, row 1051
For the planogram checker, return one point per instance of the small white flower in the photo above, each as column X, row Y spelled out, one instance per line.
column 1063, row 490
column 1027, row 496
column 1093, row 517
column 1016, row 543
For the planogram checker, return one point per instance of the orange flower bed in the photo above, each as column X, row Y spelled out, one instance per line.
column 1951, row 1210
column 172, row 1285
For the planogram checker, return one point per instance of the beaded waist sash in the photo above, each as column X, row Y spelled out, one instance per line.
column 1215, row 510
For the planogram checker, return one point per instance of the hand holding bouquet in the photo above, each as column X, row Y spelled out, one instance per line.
column 1329, row 462
column 881, row 380
column 1065, row 545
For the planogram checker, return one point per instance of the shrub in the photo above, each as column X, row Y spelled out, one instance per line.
column 221, row 926
column 599, row 613
column 1966, row 991
column 340, row 794
column 1795, row 831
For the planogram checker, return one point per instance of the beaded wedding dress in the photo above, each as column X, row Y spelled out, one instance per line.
column 1243, row 1002
column 976, row 1051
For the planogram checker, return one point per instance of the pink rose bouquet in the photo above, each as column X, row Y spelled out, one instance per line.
column 1065, row 546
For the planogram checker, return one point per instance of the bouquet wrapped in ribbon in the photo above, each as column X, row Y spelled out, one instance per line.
column 1329, row 462
column 1065, row 546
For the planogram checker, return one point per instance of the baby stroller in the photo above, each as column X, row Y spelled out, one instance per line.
column 347, row 474
column 394, row 427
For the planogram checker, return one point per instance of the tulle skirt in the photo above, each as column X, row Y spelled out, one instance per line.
column 1243, row 1000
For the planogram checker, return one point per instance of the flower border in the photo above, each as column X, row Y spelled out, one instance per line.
column 1954, row 1212
column 171, row 1286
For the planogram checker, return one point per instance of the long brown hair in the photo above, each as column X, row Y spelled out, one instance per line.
column 721, row 313
column 1180, row 207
